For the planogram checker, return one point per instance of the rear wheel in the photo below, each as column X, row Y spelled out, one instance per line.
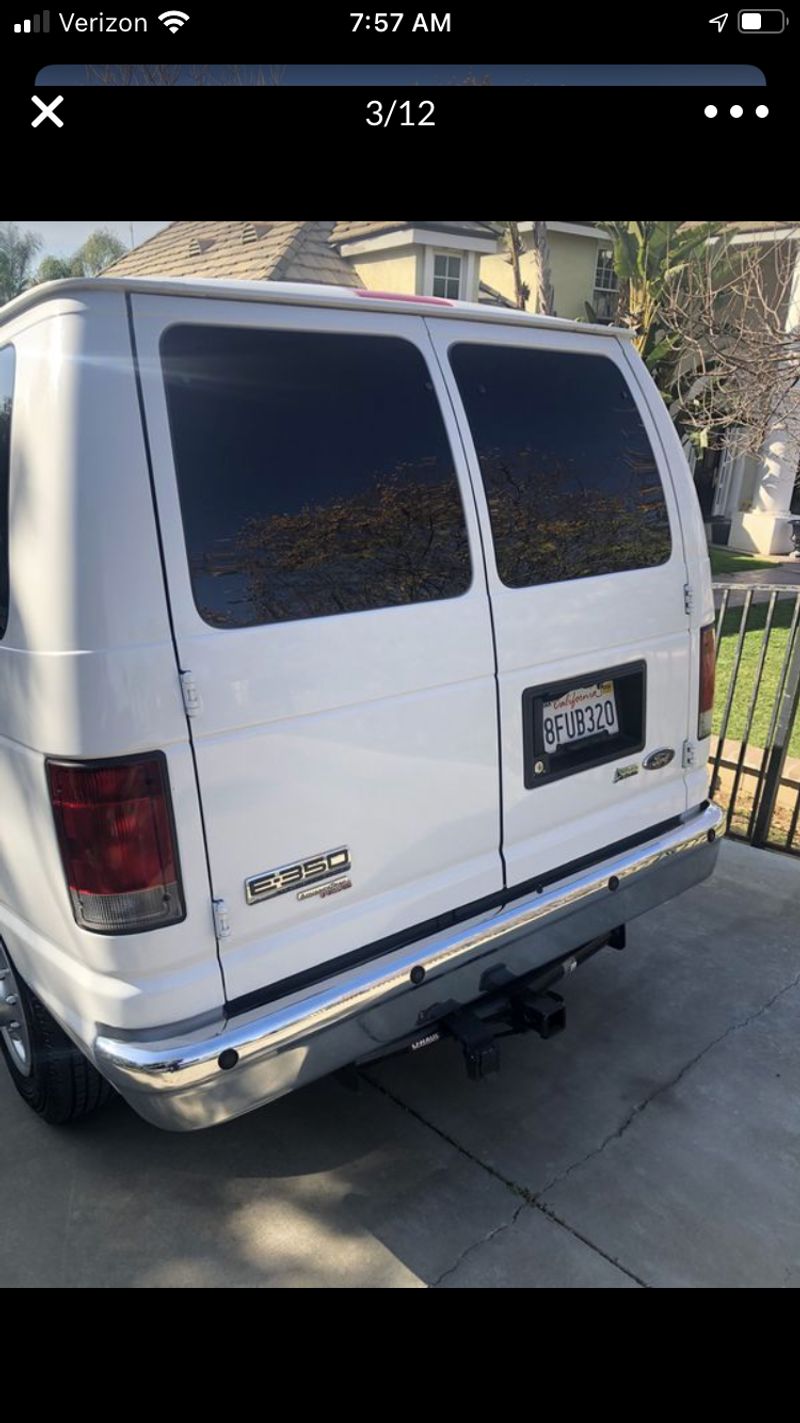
column 48, row 1071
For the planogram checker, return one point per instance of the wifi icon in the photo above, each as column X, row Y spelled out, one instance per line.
column 174, row 19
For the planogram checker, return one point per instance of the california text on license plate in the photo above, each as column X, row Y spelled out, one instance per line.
column 578, row 713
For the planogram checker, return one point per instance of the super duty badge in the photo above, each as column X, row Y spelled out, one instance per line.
column 297, row 876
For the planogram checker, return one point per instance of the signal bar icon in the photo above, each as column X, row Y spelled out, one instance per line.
column 36, row 24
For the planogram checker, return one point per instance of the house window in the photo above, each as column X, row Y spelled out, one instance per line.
column 446, row 276
column 606, row 285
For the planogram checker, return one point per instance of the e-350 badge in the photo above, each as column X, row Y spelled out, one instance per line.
column 298, row 876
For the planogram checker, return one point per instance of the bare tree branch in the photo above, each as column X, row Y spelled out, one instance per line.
column 735, row 354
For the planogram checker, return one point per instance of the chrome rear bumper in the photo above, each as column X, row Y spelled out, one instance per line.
column 218, row 1072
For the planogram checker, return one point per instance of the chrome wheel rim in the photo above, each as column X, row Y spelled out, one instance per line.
column 15, row 1036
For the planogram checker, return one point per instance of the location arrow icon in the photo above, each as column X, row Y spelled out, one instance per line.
column 719, row 21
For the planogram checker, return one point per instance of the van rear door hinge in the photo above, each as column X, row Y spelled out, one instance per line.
column 689, row 757
column 688, row 598
column 191, row 697
column 222, row 923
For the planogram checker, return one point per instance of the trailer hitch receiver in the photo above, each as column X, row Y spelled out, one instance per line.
column 477, row 1041
column 543, row 1013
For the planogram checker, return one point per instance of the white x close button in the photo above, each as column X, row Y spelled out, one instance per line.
column 47, row 111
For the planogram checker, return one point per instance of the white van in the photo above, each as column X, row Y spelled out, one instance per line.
column 355, row 681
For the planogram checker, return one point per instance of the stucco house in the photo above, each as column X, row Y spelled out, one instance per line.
column 460, row 260
column 423, row 258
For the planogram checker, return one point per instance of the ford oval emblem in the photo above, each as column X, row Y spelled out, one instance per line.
column 659, row 758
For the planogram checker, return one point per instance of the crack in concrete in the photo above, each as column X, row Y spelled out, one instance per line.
column 451, row 1141
column 528, row 1199
column 535, row 1204
column 642, row 1106
column 476, row 1244
column 584, row 1239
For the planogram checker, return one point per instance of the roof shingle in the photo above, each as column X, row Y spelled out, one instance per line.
column 254, row 251
column 357, row 231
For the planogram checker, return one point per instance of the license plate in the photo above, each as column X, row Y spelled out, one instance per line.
column 579, row 713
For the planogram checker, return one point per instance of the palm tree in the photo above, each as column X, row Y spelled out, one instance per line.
column 546, row 304
column 540, row 251
column 514, row 247
column 17, row 251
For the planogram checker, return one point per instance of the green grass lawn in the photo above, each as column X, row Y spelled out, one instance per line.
column 776, row 650
column 724, row 561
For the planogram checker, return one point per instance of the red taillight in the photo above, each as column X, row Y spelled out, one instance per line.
column 114, row 823
column 707, row 662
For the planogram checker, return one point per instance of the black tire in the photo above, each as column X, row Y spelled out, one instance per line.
column 62, row 1085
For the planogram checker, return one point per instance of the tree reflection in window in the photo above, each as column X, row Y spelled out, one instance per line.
column 314, row 472
column 571, row 482
column 400, row 541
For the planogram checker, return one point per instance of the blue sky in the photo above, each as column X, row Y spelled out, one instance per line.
column 60, row 239
column 645, row 75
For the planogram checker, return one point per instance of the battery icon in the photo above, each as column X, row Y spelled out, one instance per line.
column 762, row 22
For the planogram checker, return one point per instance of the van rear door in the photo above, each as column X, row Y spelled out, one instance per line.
column 332, row 621
column 586, row 572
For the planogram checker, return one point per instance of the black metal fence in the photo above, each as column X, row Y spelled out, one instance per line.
column 755, row 747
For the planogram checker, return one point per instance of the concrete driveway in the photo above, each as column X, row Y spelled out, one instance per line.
column 656, row 1142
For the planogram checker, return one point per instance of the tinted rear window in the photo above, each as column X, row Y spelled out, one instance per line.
column 6, row 394
column 314, row 472
column 569, row 473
